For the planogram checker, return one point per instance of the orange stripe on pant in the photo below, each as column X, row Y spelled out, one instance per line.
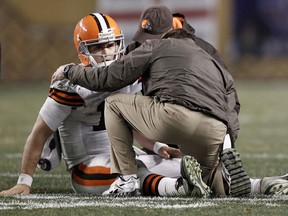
column 93, row 169
column 92, row 173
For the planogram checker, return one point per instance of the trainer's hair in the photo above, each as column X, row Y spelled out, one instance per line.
column 178, row 34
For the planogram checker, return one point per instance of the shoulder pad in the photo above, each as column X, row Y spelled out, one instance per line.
column 64, row 92
column 63, row 85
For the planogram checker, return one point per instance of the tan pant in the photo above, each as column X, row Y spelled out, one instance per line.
column 197, row 134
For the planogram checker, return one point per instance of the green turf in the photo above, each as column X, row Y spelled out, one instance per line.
column 262, row 144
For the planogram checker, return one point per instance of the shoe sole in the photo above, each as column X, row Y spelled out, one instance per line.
column 190, row 170
column 134, row 193
column 240, row 181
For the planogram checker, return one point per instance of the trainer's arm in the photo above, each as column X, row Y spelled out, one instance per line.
column 31, row 155
column 161, row 149
column 117, row 75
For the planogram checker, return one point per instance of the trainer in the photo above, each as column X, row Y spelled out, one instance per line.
column 183, row 102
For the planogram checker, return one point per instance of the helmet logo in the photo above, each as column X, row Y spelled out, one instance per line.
column 146, row 25
column 82, row 26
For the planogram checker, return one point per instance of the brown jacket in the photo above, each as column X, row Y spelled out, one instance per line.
column 231, row 94
column 172, row 70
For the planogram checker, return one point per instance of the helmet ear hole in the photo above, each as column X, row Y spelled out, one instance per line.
column 84, row 60
column 81, row 48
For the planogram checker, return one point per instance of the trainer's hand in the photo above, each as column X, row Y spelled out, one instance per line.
column 17, row 189
column 169, row 152
column 59, row 73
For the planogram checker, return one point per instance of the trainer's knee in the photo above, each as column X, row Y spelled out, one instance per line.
column 115, row 97
column 111, row 104
column 110, row 99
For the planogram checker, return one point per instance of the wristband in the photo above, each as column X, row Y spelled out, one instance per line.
column 25, row 179
column 157, row 146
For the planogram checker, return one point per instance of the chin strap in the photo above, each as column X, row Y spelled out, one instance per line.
column 105, row 63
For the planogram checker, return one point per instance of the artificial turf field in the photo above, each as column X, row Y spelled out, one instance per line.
column 262, row 143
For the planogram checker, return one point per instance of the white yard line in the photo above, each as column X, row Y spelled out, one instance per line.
column 65, row 201
column 41, row 201
column 42, row 175
column 12, row 155
column 244, row 155
column 265, row 156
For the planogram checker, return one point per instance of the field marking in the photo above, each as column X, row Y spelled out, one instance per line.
column 244, row 155
column 65, row 201
column 44, row 201
column 265, row 156
column 13, row 156
column 42, row 175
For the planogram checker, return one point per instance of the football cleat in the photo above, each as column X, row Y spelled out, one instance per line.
column 240, row 184
column 274, row 186
column 123, row 188
column 191, row 172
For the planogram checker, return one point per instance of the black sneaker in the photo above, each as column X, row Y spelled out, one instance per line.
column 240, row 182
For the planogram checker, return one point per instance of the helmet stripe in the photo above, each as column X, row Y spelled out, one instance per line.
column 106, row 20
column 100, row 21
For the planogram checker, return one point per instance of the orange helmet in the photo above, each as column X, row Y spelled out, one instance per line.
column 96, row 29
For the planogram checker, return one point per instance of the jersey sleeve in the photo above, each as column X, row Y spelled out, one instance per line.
column 66, row 98
column 54, row 113
column 64, row 92
column 58, row 106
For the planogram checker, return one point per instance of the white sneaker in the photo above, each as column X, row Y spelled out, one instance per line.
column 124, row 188
column 191, row 172
column 274, row 186
column 284, row 176
column 182, row 187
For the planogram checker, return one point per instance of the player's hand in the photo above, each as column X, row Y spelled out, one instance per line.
column 169, row 152
column 17, row 189
column 59, row 73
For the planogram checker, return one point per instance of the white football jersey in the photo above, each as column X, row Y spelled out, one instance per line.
column 78, row 113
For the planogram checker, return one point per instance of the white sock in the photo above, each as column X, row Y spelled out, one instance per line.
column 166, row 187
column 255, row 186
